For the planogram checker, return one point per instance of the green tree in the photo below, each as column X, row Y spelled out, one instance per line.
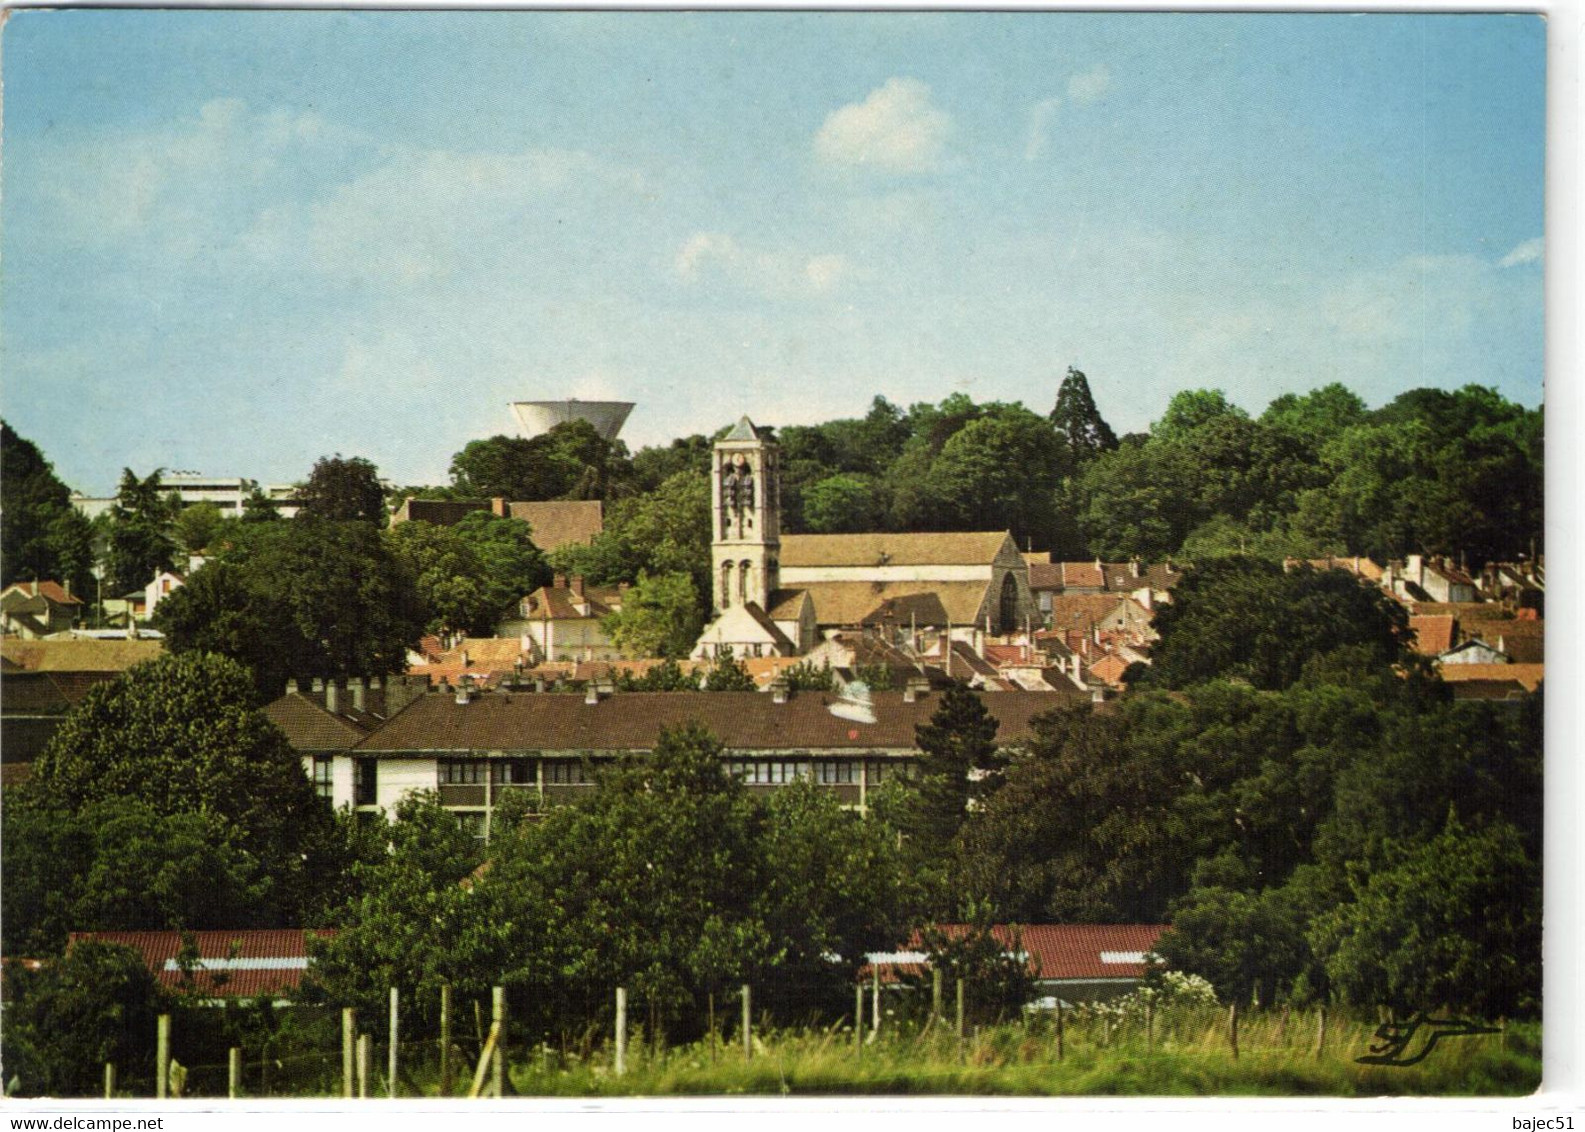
column 842, row 503
column 450, row 577
column 1317, row 416
column 1191, row 409
column 66, row 1019
column 1081, row 431
column 570, row 461
column 42, row 536
column 513, row 564
column 140, row 532
column 666, row 531
column 1453, row 922
column 343, row 489
column 660, row 616
column 299, row 599
column 197, row 527
column 999, row 471
column 959, row 762
column 1239, row 617
column 180, row 736
column 728, row 674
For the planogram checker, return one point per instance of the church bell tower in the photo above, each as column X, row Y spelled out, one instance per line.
column 745, row 516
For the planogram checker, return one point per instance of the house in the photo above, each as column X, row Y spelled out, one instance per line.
column 826, row 582
column 476, row 747
column 236, row 966
column 562, row 621
column 33, row 610
column 484, row 660
column 165, row 582
column 322, row 719
column 1071, row 963
column 554, row 522
column 1420, row 579
column 1527, row 677
column 1472, row 651
column 1433, row 634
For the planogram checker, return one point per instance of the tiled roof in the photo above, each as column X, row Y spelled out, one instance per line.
column 1530, row 675
column 80, row 655
column 630, row 721
column 559, row 522
column 1463, row 610
column 1070, row 611
column 1082, row 575
column 54, row 591
column 1122, row 577
column 1433, row 635
column 560, row 603
column 1045, row 575
column 849, row 603
column 1522, row 648
column 236, row 964
column 1056, row 951
column 1360, row 567
column 1109, row 669
column 441, row 512
column 309, row 727
column 1164, row 575
column 910, row 609
column 945, row 548
column 787, row 605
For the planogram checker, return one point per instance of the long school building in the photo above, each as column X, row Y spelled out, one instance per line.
column 474, row 749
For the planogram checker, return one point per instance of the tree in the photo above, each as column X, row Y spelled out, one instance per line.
column 1081, row 431
column 198, row 526
column 343, row 490
column 660, row 616
column 570, row 461
column 843, row 503
column 999, row 471
column 299, row 599
column 179, row 735
column 1452, row 923
column 958, row 762
column 140, row 532
column 1191, row 409
column 513, row 564
column 728, row 675
column 69, row 1017
column 450, row 577
column 666, row 531
column 1239, row 617
column 42, row 536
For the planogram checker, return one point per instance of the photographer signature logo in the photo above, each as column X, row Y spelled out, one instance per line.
column 1394, row 1039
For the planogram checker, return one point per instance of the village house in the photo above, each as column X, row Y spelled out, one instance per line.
column 562, row 621
column 33, row 610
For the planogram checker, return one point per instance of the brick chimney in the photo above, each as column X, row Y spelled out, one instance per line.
column 500, row 508
column 559, row 581
column 779, row 688
column 332, row 697
column 577, row 585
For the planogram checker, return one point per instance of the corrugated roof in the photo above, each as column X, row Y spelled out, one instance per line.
column 630, row 721
column 232, row 964
column 559, row 522
column 851, row 603
column 80, row 655
column 943, row 548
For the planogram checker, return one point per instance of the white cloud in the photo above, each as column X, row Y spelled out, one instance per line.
column 1531, row 251
column 774, row 274
column 896, row 129
column 1089, row 85
column 1041, row 116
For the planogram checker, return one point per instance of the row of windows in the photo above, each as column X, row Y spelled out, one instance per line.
column 566, row 772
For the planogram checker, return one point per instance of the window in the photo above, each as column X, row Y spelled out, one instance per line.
column 471, row 822
column 324, row 776
column 565, row 772
column 364, row 790
column 512, row 772
column 769, row 773
column 837, row 773
column 470, row 773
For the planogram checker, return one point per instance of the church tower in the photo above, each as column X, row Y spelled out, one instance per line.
column 745, row 516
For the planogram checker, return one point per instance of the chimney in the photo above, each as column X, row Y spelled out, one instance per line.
column 500, row 508
column 577, row 585
column 778, row 690
column 1098, row 694
column 914, row 688
column 360, row 700
column 464, row 691
column 465, row 658
column 591, row 693
column 35, row 587
column 291, row 687
column 317, row 686
column 559, row 581
column 1073, row 666
column 332, row 697
column 539, row 683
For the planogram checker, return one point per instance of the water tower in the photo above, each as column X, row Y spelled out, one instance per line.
column 538, row 417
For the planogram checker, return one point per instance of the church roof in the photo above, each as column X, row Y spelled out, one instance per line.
column 787, row 605
column 852, row 603
column 743, row 430
column 929, row 548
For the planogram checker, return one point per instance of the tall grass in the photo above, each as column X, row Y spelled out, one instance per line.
column 1180, row 1055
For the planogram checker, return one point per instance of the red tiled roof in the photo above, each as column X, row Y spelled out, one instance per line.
column 1109, row 669
column 1433, row 635
column 1045, row 575
column 1085, row 575
column 630, row 721
column 1061, row 951
column 237, row 964
column 52, row 590
column 309, row 727
column 1529, row 675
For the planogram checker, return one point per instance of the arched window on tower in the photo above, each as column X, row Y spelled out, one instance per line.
column 742, row 581
column 1007, row 614
column 726, row 584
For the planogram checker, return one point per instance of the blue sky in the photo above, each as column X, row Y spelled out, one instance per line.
column 237, row 241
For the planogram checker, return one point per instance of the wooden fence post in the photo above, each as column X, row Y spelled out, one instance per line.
column 110, row 1080
column 960, row 1010
column 858, row 1016
column 935, row 995
column 875, row 999
column 498, row 1023
column 364, row 1045
column 1150, row 1026
column 1232, row 1028
column 1059, row 1029
column 162, row 1057
column 445, row 1039
column 748, row 1024
column 348, row 1022
column 621, row 1031
column 234, row 1072
column 1320, row 1032
column 391, row 1059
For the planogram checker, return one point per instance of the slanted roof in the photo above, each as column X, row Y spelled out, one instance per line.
column 440, row 512
column 1070, row 611
column 80, row 655
column 787, row 605
column 561, row 522
column 1528, row 675
column 1433, row 635
column 941, row 548
column 743, row 430
column 230, row 964
column 310, row 727
column 560, row 603
column 909, row 609
column 1045, row 576
column 54, row 591
column 851, row 603
column 1082, row 575
column 1056, row 952
column 631, row 721
column 1109, row 669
